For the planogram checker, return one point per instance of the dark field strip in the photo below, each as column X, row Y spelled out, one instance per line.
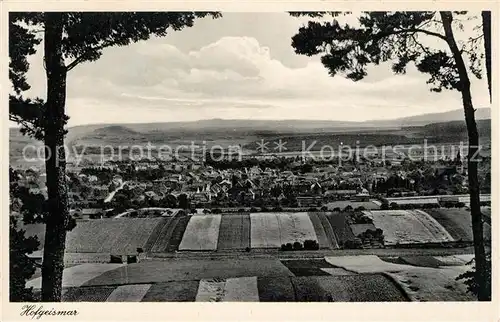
column 163, row 238
column 457, row 224
column 330, row 234
column 87, row 294
column 323, row 240
column 304, row 267
column 340, row 227
column 156, row 234
column 178, row 231
column 348, row 288
column 234, row 232
column 178, row 291
column 275, row 289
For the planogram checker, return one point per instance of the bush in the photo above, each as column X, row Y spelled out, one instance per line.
column 247, row 249
column 394, row 205
column 324, row 208
column 253, row 209
column 353, row 244
column 297, row 246
column 286, row 247
column 241, row 210
column 336, row 209
column 216, row 211
column 311, row 244
column 312, row 209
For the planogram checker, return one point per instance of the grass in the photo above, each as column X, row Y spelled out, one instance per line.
column 264, row 230
column 457, row 222
column 340, row 227
column 275, row 289
column 118, row 236
column 407, row 227
column 129, row 293
column 177, row 291
column 175, row 239
column 307, row 267
column 87, row 294
column 201, row 233
column 295, row 227
column 323, row 240
column 234, row 232
column 166, row 271
column 211, row 290
column 78, row 275
column 330, row 234
column 431, row 284
column 243, row 289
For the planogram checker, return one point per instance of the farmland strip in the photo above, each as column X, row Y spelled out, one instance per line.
column 202, row 233
column 340, row 227
column 88, row 294
column 161, row 243
column 295, row 227
column 330, row 234
column 156, row 234
column 264, row 231
column 177, row 233
column 243, row 289
column 234, row 232
column 178, row 291
column 308, row 289
column 275, row 289
column 211, row 290
column 323, row 240
column 129, row 293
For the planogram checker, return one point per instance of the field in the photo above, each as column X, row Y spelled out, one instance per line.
column 457, row 222
column 117, row 236
column 271, row 230
column 234, row 232
column 78, row 275
column 201, row 233
column 128, row 293
column 420, row 283
column 165, row 271
column 340, row 227
column 264, row 231
column 326, row 240
column 407, row 227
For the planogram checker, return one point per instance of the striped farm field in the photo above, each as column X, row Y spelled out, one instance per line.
column 457, row 222
column 201, row 233
column 340, row 227
column 234, row 232
column 295, row 227
column 162, row 239
column 121, row 236
column 271, row 230
column 325, row 241
column 264, row 230
column 408, row 227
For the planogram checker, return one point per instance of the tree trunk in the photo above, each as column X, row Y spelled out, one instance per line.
column 55, row 163
column 484, row 292
column 487, row 45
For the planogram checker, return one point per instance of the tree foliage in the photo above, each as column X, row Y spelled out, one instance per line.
column 398, row 37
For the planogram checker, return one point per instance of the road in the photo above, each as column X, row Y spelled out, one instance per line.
column 276, row 254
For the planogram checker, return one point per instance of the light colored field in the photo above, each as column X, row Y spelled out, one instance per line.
column 210, row 290
column 243, row 289
column 193, row 269
column 117, row 236
column 264, row 231
column 295, row 227
column 271, row 230
column 129, row 293
column 433, row 284
column 369, row 205
column 202, row 233
column 78, row 275
column 420, row 283
column 365, row 264
column 407, row 227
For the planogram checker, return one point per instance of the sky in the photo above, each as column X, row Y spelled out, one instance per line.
column 241, row 66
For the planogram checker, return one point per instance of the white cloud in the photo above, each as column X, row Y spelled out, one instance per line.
column 235, row 77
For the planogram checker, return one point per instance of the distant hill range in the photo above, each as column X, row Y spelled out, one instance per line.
column 447, row 125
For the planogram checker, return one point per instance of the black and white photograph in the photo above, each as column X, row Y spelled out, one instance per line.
column 213, row 156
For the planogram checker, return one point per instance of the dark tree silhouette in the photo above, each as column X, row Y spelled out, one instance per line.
column 397, row 36
column 77, row 37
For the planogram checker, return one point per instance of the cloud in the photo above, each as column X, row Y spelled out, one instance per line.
column 236, row 77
